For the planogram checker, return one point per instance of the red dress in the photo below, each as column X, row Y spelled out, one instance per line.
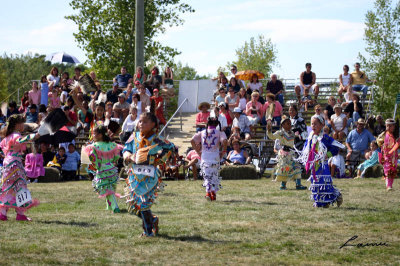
column 159, row 111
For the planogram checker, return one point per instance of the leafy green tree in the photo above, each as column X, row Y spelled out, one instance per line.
column 107, row 31
column 3, row 81
column 186, row 72
column 382, row 36
column 257, row 54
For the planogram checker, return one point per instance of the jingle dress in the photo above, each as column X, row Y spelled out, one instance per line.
column 314, row 157
column 389, row 161
column 103, row 156
column 13, row 177
column 210, row 140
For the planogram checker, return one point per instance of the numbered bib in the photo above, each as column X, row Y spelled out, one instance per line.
column 144, row 170
column 23, row 196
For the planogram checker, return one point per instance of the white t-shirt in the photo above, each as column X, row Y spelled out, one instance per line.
column 338, row 122
column 129, row 125
column 221, row 119
column 55, row 80
column 347, row 97
column 255, row 86
column 242, row 103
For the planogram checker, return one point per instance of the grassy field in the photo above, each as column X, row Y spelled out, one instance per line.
column 252, row 222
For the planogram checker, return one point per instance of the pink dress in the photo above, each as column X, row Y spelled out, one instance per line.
column 55, row 101
column 34, row 96
column 34, row 165
column 13, row 176
column 389, row 161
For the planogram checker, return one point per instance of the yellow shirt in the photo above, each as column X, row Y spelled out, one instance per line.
column 359, row 78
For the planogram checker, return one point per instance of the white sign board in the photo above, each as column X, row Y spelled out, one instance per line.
column 196, row 91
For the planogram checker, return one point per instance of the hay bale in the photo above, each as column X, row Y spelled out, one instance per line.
column 375, row 171
column 51, row 175
column 231, row 172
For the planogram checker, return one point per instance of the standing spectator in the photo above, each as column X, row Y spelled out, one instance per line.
column 233, row 83
column 12, row 109
column 354, row 110
column 358, row 141
column 144, row 98
column 202, row 116
column 380, row 126
column 275, row 86
column 328, row 112
column 123, row 79
column 254, row 109
column 129, row 125
column 339, row 123
column 159, row 101
column 121, row 108
column 24, row 102
column 44, row 88
column 70, row 166
column 168, row 78
column 360, row 80
column 112, row 95
column 273, row 110
column 232, row 99
column 221, row 97
column 345, row 81
column 77, row 75
column 299, row 127
column 233, row 75
column 53, row 77
column 154, row 80
column 242, row 122
column 307, row 80
column 34, row 94
column 139, row 76
column 138, row 104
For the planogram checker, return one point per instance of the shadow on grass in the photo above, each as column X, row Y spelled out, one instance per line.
column 251, row 202
column 195, row 238
column 71, row 223
column 361, row 209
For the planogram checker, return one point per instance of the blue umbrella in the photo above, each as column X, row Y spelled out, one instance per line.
column 62, row 58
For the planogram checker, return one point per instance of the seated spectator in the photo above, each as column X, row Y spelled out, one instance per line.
column 129, row 125
column 138, row 104
column 168, row 78
column 221, row 97
column 275, row 86
column 109, row 111
column 318, row 111
column 328, row 112
column 360, row 80
column 71, row 103
column 123, row 79
column 354, row 110
column 58, row 159
column 112, row 95
column 228, row 115
column 254, row 85
column 71, row 116
column 233, row 83
column 65, row 76
column 85, row 117
column 144, row 98
column 3, row 118
column 139, row 76
column 372, row 159
column 129, row 93
column 242, row 122
column 233, row 75
column 71, row 164
column 53, row 77
column 155, row 77
column 235, row 135
column 221, row 118
column 339, row 123
column 243, row 99
column 77, row 75
column 193, row 159
column 121, row 108
column 46, row 153
column 306, row 100
column 345, row 81
column 348, row 97
column 65, row 90
column 42, row 113
column 24, row 102
column 54, row 99
column 237, row 156
column 92, row 74
column 254, row 109
column 202, row 116
column 159, row 102
column 380, row 126
column 222, row 81
column 232, row 99
column 34, row 94
column 12, row 109
column 31, row 118
column 358, row 141
column 307, row 80
column 273, row 110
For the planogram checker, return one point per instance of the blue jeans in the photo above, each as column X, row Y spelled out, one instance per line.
column 363, row 88
column 356, row 116
column 280, row 99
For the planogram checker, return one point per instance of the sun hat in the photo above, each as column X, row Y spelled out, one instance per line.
column 122, row 95
column 204, row 104
column 237, row 110
column 284, row 119
column 222, row 104
column 337, row 106
column 361, row 121
column 390, row 121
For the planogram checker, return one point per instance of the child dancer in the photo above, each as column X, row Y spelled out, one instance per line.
column 13, row 182
column 372, row 159
column 314, row 156
column 287, row 168
column 389, row 143
column 144, row 151
column 104, row 154
column 211, row 140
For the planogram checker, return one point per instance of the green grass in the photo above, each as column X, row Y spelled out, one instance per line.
column 252, row 222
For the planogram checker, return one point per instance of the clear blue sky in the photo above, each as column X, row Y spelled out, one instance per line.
column 326, row 33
